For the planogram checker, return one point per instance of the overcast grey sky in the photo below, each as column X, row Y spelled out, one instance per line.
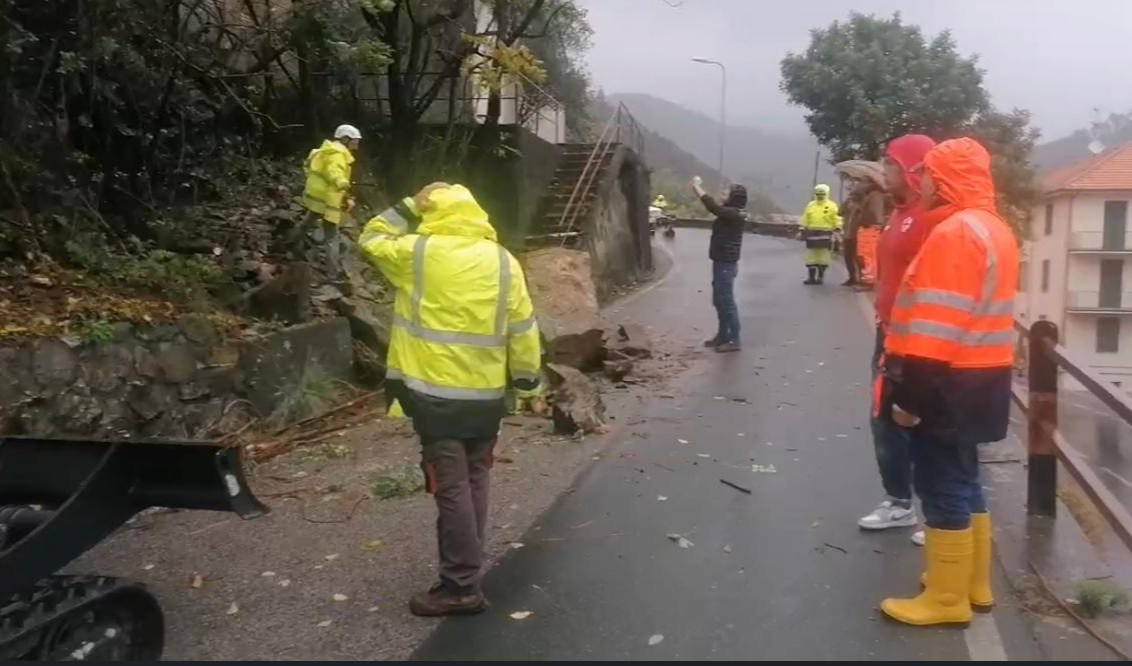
column 1057, row 58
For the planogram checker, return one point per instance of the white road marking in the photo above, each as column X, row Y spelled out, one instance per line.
column 984, row 643
column 982, row 638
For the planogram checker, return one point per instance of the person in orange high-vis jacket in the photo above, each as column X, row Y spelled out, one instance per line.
column 949, row 354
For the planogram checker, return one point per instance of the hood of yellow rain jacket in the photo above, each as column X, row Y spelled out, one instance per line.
column 453, row 211
column 331, row 146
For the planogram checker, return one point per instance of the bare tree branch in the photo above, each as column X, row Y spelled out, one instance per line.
column 526, row 21
column 546, row 26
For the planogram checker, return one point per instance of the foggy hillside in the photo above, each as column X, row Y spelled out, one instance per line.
column 673, row 167
column 779, row 165
column 1113, row 132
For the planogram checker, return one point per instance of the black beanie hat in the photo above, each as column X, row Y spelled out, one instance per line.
column 737, row 197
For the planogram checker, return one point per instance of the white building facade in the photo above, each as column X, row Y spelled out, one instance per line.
column 1077, row 269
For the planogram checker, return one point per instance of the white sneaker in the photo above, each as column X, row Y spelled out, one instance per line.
column 918, row 537
column 888, row 515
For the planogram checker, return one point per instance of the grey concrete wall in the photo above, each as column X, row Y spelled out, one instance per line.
column 617, row 231
column 536, row 163
column 510, row 183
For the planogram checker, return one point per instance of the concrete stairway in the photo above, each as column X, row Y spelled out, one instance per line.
column 571, row 166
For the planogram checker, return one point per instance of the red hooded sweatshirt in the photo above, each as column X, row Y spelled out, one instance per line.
column 908, row 227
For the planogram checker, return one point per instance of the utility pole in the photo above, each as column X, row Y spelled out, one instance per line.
column 817, row 158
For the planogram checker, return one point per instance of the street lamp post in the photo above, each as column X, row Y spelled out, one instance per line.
column 722, row 107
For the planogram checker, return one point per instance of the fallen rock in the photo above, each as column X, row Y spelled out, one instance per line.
column 633, row 341
column 618, row 369
column 575, row 402
column 583, row 351
column 286, row 298
column 367, row 304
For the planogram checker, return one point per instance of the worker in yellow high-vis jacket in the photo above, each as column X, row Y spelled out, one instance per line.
column 464, row 331
column 326, row 196
column 819, row 222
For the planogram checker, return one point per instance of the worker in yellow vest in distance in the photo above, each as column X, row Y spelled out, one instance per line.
column 326, row 196
column 820, row 220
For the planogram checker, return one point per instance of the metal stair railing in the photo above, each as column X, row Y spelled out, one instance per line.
column 620, row 122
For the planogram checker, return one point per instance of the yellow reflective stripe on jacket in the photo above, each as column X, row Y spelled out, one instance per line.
column 414, row 325
column 504, row 292
column 449, row 337
column 522, row 326
column 450, row 392
column 463, row 320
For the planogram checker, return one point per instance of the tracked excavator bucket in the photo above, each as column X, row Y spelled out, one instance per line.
column 58, row 499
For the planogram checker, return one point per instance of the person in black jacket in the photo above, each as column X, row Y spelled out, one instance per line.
column 726, row 245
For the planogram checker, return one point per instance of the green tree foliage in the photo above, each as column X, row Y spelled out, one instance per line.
column 868, row 79
column 114, row 111
column 561, row 49
column 1010, row 140
column 116, row 106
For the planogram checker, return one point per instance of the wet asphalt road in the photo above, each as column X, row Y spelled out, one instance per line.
column 782, row 572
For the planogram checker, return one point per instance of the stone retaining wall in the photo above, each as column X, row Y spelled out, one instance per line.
column 181, row 380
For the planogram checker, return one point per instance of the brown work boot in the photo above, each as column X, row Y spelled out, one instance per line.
column 438, row 602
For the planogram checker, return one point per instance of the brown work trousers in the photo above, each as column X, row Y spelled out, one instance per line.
column 458, row 474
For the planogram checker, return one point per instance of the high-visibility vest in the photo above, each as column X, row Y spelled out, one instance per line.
column 463, row 322
column 867, row 240
column 328, row 170
column 956, row 302
column 819, row 221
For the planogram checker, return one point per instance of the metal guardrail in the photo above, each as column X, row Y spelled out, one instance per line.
column 1046, row 445
column 621, row 124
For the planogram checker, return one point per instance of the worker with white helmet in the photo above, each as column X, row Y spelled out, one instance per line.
column 819, row 222
column 326, row 196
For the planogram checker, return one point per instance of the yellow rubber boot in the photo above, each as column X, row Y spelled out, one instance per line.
column 982, row 599
column 949, row 555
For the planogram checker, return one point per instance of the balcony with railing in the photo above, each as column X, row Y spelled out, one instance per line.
column 1096, row 301
column 1099, row 242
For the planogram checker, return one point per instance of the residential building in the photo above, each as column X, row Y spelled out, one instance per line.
column 1077, row 265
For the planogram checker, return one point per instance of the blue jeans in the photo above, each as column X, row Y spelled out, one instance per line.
column 723, row 298
column 947, row 480
column 890, row 443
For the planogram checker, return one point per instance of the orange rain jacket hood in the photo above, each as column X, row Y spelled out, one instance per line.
column 961, row 171
column 951, row 337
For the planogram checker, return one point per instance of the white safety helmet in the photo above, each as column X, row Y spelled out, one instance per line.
column 347, row 132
